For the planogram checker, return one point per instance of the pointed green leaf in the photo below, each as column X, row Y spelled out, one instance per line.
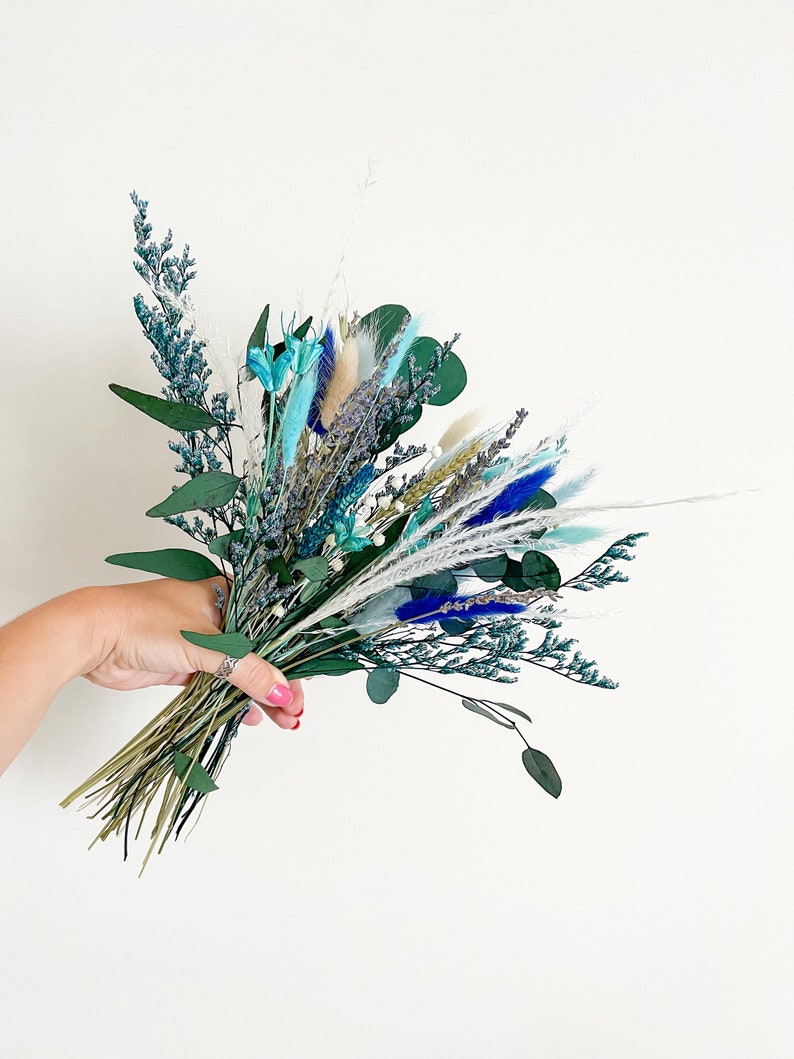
column 176, row 414
column 198, row 779
column 327, row 666
column 278, row 566
column 455, row 626
column 475, row 707
column 514, row 709
column 542, row 771
column 228, row 643
column 211, row 489
column 315, row 568
column 259, row 333
column 180, row 563
column 220, row 546
column 382, row 684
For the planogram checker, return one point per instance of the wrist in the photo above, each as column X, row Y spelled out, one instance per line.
column 86, row 621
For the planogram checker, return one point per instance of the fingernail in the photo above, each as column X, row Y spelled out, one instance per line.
column 300, row 711
column 280, row 695
column 295, row 726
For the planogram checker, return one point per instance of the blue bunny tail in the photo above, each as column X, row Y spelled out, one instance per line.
column 514, row 497
column 325, row 369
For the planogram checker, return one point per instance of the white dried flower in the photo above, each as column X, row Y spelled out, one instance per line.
column 378, row 539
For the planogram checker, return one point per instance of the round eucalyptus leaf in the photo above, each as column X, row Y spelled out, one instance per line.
column 382, row 684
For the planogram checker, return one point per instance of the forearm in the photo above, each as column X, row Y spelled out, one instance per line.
column 40, row 652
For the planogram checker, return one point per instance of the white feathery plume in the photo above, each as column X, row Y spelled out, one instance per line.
column 462, row 545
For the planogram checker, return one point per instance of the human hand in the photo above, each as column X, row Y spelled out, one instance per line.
column 136, row 643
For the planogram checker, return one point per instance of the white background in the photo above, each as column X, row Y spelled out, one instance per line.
column 597, row 195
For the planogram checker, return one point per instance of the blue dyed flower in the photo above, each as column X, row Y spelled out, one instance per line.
column 268, row 368
column 303, row 352
column 350, row 536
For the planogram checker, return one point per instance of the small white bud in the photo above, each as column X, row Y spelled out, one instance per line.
column 436, row 451
column 384, row 501
column 378, row 539
column 360, row 520
column 399, row 506
column 278, row 611
column 337, row 564
column 330, row 540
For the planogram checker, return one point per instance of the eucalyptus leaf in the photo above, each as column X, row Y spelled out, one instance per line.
column 451, row 378
column 475, row 707
column 491, row 569
column 326, row 665
column 228, row 643
column 220, row 546
column 179, row 563
column 540, row 571
column 315, row 568
column 382, row 684
column 277, row 565
column 443, row 583
column 211, row 489
column 542, row 771
column 259, row 333
column 310, row 590
column 455, row 626
column 384, row 322
column 184, row 417
column 514, row 709
column 198, row 779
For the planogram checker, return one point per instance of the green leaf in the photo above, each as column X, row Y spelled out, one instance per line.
column 395, row 429
column 382, row 684
column 198, row 779
column 176, row 414
column 540, row 571
column 455, row 626
column 536, row 570
column 211, row 489
column 220, row 546
column 452, row 379
column 327, row 665
column 475, row 707
column 450, row 376
column 277, row 565
column 332, row 622
column 542, row 771
column 259, row 333
column 540, row 501
column 384, row 322
column 228, row 643
column 491, row 569
column 180, row 563
column 315, row 569
column 310, row 590
column 443, row 583
column 300, row 332
column 514, row 709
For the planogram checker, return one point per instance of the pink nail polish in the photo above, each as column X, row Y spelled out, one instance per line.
column 280, row 695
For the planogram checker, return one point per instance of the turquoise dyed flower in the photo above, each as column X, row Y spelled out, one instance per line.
column 268, row 368
column 304, row 352
column 351, row 537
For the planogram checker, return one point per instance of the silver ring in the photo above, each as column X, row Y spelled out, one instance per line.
column 227, row 666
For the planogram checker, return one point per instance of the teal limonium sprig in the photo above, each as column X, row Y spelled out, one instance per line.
column 336, row 546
